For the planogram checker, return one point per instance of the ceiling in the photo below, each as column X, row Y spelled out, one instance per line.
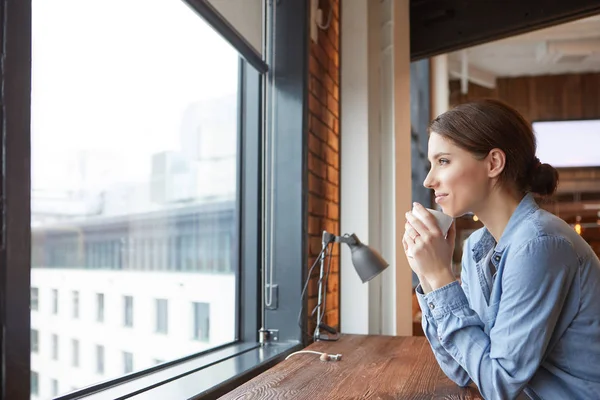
column 568, row 48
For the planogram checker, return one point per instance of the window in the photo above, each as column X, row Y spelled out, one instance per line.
column 54, row 386
column 128, row 311
column 162, row 316
column 75, row 304
column 35, row 345
column 74, row 352
column 201, row 321
column 34, row 299
column 127, row 362
column 54, row 301
column 99, row 359
column 579, row 151
column 100, row 307
column 137, row 163
column 35, row 388
column 55, row 347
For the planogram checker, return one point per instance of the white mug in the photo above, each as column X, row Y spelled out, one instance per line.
column 444, row 221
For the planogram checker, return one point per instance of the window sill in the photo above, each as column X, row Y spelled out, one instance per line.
column 209, row 375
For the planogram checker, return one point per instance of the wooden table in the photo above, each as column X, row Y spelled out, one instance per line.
column 372, row 367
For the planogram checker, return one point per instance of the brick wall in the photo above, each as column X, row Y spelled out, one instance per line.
column 324, row 159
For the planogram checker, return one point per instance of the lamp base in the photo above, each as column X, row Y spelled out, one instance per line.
column 327, row 337
column 331, row 336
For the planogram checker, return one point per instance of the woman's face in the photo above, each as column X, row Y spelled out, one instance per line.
column 459, row 180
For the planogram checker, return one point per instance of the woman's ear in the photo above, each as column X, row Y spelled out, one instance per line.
column 496, row 162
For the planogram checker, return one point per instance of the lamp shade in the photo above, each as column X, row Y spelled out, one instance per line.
column 367, row 262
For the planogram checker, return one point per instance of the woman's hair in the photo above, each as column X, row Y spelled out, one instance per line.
column 483, row 125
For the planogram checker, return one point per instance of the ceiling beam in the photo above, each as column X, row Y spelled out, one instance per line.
column 475, row 75
column 442, row 26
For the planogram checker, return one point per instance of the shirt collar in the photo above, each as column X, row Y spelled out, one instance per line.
column 487, row 241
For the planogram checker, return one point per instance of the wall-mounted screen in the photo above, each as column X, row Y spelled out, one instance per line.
column 565, row 144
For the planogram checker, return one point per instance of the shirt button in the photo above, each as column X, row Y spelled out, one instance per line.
column 440, row 338
column 497, row 258
column 431, row 306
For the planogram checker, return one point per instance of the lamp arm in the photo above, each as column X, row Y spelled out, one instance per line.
column 348, row 239
column 351, row 239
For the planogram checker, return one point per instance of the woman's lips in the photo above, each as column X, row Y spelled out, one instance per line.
column 440, row 197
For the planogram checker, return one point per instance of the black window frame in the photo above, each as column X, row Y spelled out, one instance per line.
column 247, row 357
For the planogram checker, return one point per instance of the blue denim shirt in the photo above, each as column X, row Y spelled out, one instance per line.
column 526, row 319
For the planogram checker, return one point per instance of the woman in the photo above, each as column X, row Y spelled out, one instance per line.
column 525, row 319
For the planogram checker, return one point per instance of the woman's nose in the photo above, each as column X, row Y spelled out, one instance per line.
column 429, row 181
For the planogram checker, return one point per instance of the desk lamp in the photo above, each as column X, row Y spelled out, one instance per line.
column 367, row 263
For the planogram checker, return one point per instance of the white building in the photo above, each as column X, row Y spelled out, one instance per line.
column 92, row 325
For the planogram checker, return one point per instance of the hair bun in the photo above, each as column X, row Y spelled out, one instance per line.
column 544, row 179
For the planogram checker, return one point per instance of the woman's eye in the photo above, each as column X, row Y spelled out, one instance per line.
column 443, row 161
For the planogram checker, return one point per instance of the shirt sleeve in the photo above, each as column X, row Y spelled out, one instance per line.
column 447, row 363
column 535, row 283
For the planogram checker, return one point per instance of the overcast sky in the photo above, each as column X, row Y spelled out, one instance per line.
column 112, row 78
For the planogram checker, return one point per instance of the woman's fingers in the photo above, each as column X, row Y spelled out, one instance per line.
column 410, row 231
column 417, row 225
column 426, row 218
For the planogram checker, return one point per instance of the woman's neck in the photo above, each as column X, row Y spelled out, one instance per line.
column 497, row 211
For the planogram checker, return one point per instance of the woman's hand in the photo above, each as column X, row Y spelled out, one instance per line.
column 429, row 252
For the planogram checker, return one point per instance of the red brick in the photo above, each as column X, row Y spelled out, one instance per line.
column 317, row 166
column 332, row 193
column 315, row 145
column 336, row 11
column 336, row 59
column 333, row 140
column 314, row 224
column 321, row 55
column 314, row 67
column 316, row 185
column 334, row 72
column 315, row 245
column 328, row 118
column 335, row 26
column 317, row 88
column 333, row 105
column 318, row 128
column 335, row 264
column 328, row 83
column 315, row 106
column 331, row 226
column 333, row 211
column 316, row 206
column 332, row 157
column 333, row 175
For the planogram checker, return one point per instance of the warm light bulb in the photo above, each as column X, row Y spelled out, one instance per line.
column 578, row 228
column 475, row 218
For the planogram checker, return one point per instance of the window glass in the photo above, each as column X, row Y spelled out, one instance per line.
column 134, row 129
